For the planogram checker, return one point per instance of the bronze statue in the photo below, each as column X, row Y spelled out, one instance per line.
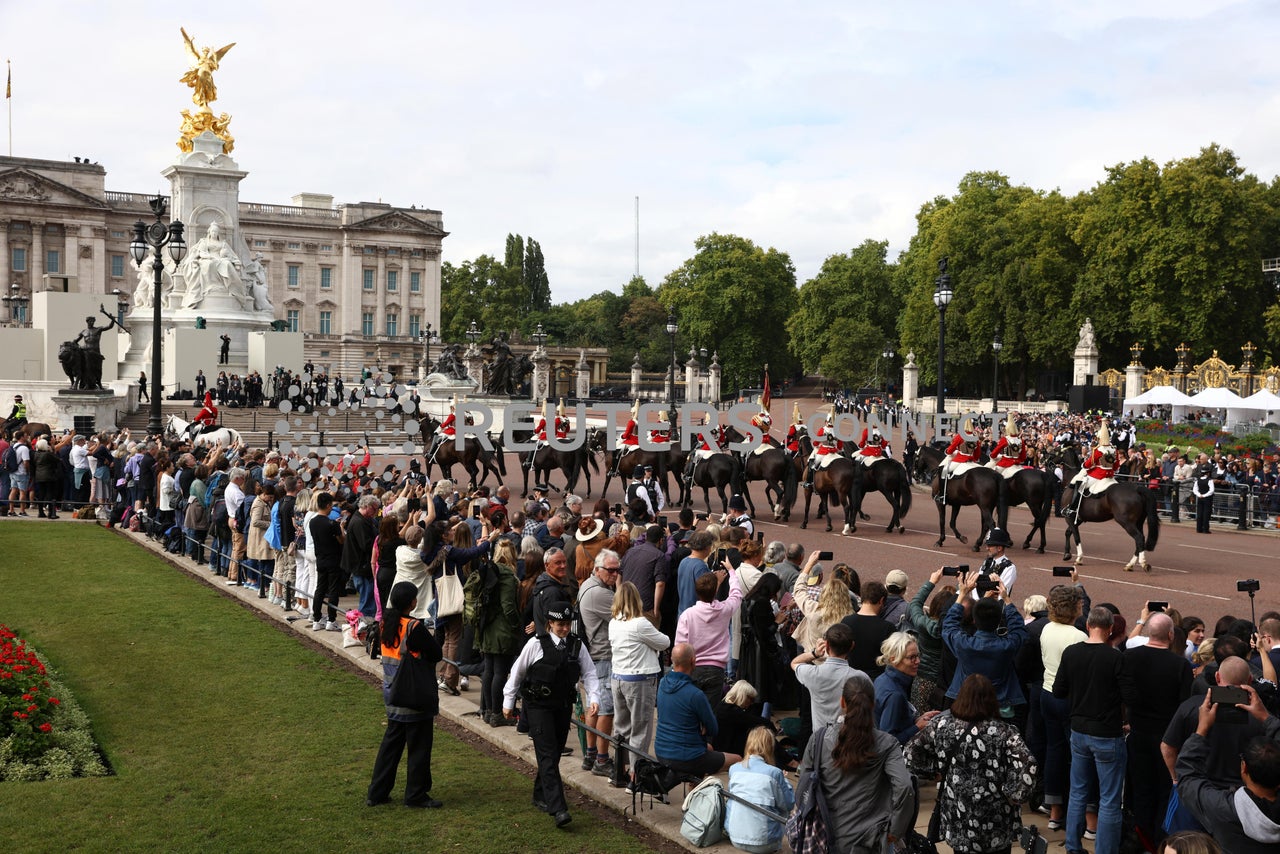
column 450, row 364
column 88, row 368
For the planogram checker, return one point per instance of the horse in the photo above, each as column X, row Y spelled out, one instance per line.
column 671, row 459
column 31, row 429
column 572, row 463
column 888, row 477
column 836, row 481
column 447, row 455
column 718, row 470
column 218, row 437
column 1129, row 504
column 978, row 486
column 778, row 471
column 1034, row 488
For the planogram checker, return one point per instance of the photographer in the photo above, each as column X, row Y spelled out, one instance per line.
column 992, row 649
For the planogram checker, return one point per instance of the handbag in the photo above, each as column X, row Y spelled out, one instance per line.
column 414, row 685
column 808, row 827
column 449, row 597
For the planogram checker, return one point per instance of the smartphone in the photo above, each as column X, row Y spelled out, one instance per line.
column 617, row 509
column 951, row 570
column 702, row 517
column 415, row 504
column 826, row 555
column 1160, row 606
column 759, row 536
column 1062, row 571
column 1228, row 695
column 661, row 521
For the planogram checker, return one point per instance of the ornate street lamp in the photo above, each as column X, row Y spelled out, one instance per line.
column 424, row 335
column 672, row 328
column 150, row 239
column 473, row 333
column 942, row 294
column 539, row 337
column 887, row 354
column 996, row 344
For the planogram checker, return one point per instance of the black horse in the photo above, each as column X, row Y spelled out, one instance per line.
column 777, row 469
column 671, row 459
column 541, row 462
column 890, row 478
column 718, row 470
column 1034, row 488
column 978, row 486
column 446, row 454
column 1129, row 504
column 837, row 481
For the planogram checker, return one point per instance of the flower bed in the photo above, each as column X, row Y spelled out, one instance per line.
column 1204, row 437
column 44, row 735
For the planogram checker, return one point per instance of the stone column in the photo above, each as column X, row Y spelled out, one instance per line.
column 35, row 264
column 635, row 377
column 1085, row 364
column 584, row 376
column 6, row 259
column 910, row 382
column 541, row 372
column 1133, row 376
column 713, row 379
column 692, row 373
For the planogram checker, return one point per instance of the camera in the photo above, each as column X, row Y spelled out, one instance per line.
column 955, row 570
column 1153, row 607
column 1249, row 585
column 826, row 555
column 1062, row 571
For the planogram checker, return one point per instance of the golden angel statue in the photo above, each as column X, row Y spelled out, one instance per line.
column 199, row 77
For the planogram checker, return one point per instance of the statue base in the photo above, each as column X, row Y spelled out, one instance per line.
column 86, row 410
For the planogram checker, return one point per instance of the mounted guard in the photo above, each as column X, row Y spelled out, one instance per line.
column 1009, row 456
column 1098, row 473
column 827, row 448
column 796, row 431
column 961, row 455
column 446, row 431
column 206, row 419
column 871, row 447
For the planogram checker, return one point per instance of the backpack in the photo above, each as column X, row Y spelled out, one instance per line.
column 477, row 595
column 242, row 515
column 11, row 458
column 218, row 520
column 217, row 480
column 703, row 822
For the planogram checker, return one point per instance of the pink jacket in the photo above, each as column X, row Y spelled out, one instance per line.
column 706, row 626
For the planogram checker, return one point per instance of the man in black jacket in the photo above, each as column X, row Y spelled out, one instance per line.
column 357, row 550
column 1244, row 820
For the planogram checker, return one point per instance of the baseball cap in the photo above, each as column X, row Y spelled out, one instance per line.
column 896, row 579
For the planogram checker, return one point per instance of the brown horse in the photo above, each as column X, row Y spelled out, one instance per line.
column 836, row 481
column 979, row 487
column 32, row 430
column 447, row 455
column 1129, row 504
column 779, row 473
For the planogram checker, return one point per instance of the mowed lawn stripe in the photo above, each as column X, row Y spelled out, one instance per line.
column 223, row 730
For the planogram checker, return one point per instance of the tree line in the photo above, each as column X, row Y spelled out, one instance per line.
column 1154, row 255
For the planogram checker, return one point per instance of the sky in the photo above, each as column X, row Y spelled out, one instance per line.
column 807, row 129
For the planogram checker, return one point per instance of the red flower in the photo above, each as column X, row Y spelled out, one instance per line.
column 45, row 727
column 33, row 708
column 55, row 701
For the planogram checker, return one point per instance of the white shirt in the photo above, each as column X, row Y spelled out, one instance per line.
column 533, row 652
column 79, row 457
column 636, row 644
column 167, row 486
column 235, row 497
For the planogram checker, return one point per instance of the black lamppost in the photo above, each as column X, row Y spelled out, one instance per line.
column 151, row 239
column 887, row 354
column 672, row 328
column 942, row 294
column 473, row 333
column 539, row 336
column 424, row 335
column 122, row 304
column 996, row 344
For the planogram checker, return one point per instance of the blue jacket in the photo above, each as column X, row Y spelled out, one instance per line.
column 686, row 723
column 989, row 653
column 893, row 710
column 760, row 783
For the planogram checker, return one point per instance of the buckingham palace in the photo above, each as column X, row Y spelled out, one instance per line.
column 361, row 280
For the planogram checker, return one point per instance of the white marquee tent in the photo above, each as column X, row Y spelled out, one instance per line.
column 1161, row 395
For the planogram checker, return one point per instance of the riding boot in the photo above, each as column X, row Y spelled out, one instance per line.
column 941, row 497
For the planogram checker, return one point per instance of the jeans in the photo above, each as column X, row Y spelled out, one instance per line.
column 364, row 589
column 1108, row 756
column 1057, row 730
column 218, row 550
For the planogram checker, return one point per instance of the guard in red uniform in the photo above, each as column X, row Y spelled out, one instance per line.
column 872, row 446
column 206, row 418
column 562, row 423
column 1010, row 451
column 762, row 421
column 827, row 445
column 795, row 431
column 446, row 431
column 1097, row 472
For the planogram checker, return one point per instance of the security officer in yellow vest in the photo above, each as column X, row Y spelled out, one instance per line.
column 546, row 675
column 17, row 416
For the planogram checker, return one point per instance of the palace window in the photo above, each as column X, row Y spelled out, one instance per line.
column 366, row 323
column 368, row 279
column 19, row 259
column 326, row 278
column 391, row 324
column 393, row 280
column 117, row 266
column 291, row 318
column 415, row 283
column 53, row 261
column 295, row 273
column 326, row 322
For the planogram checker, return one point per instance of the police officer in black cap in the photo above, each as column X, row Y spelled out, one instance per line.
column 639, row 505
column 546, row 675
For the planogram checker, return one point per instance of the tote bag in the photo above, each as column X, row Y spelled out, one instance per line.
column 449, row 596
column 414, row 685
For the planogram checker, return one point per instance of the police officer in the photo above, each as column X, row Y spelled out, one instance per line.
column 546, row 674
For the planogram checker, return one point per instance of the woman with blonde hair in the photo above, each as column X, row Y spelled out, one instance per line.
column 757, row 780
column 501, row 636
column 900, row 658
column 821, row 601
column 636, row 643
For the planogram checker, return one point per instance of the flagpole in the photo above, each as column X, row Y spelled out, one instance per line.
column 8, row 96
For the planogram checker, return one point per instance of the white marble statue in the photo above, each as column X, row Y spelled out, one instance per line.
column 255, row 276
column 1087, row 340
column 146, row 282
column 212, row 267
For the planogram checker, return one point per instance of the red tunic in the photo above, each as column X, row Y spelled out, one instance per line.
column 629, row 435
column 793, row 440
column 824, row 448
column 540, row 432
column 447, row 427
column 954, row 449
column 562, row 428
column 1097, row 468
column 1006, row 460
column 871, row 447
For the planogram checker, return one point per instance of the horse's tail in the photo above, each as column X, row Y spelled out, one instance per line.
column 1153, row 518
column 904, row 495
column 790, row 484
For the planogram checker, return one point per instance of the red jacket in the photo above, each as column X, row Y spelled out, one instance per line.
column 869, row 447
column 1005, row 460
column 629, row 434
column 954, row 449
column 447, row 426
column 1097, row 468
column 823, row 448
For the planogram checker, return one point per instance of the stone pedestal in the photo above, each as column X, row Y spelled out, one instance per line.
column 583, row 376
column 100, row 406
column 1133, row 377
column 1085, row 364
column 635, row 377
column 910, row 382
column 713, row 379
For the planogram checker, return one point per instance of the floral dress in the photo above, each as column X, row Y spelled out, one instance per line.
column 987, row 772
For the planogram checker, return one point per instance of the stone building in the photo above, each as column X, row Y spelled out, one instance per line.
column 360, row 280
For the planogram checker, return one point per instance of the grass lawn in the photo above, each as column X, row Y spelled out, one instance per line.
column 225, row 733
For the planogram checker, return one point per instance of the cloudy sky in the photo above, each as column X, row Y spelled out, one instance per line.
column 808, row 127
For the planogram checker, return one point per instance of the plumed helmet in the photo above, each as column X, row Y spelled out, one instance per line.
column 560, row 409
column 795, row 413
column 1104, row 435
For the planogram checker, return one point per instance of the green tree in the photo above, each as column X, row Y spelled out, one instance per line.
column 482, row 290
column 734, row 297
column 535, row 277
column 855, row 287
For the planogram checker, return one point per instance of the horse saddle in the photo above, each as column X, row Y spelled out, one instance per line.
column 764, row 446
column 824, row 460
column 1099, row 487
column 958, row 469
column 1006, row 472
